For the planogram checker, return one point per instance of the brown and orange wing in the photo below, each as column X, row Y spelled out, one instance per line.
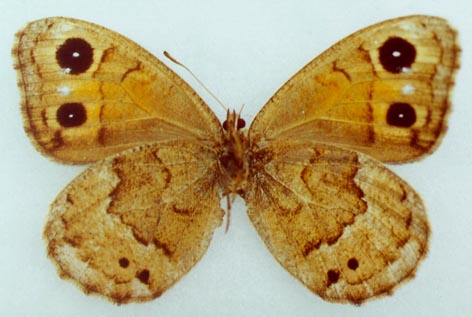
column 132, row 225
column 384, row 91
column 89, row 92
column 340, row 222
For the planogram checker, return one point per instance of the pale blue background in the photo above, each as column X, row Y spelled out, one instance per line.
column 243, row 51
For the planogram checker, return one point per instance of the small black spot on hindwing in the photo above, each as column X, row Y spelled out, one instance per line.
column 124, row 262
column 143, row 276
column 353, row 264
column 333, row 277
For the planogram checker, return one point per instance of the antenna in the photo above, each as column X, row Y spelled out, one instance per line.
column 166, row 54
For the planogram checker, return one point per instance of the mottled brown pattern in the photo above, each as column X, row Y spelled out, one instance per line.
column 137, row 220
column 123, row 206
column 352, row 207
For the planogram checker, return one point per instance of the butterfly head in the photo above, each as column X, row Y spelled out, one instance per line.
column 233, row 121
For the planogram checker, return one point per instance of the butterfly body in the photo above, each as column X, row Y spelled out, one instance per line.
column 234, row 156
column 309, row 166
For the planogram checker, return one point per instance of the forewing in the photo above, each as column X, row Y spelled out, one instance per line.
column 88, row 92
column 384, row 90
column 340, row 222
column 132, row 225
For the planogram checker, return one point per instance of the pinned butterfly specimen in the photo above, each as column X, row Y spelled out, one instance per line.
column 309, row 166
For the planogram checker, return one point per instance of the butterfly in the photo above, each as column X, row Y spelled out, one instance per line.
column 309, row 166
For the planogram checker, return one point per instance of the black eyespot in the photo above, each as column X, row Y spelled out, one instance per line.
column 75, row 55
column 333, row 277
column 353, row 264
column 401, row 114
column 396, row 54
column 71, row 115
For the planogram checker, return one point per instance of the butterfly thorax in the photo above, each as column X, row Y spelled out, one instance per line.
column 231, row 159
